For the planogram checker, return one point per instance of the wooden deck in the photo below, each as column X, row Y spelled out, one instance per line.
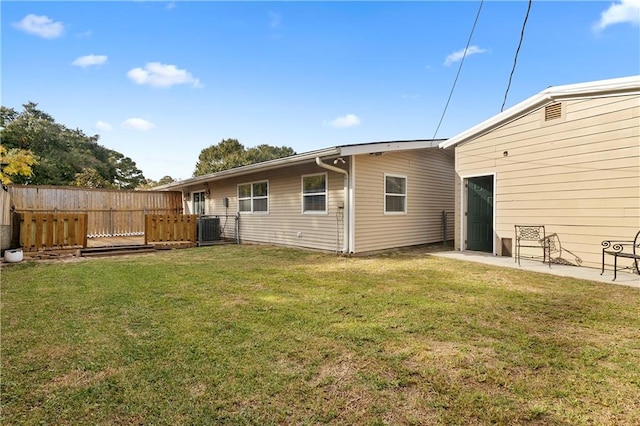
column 114, row 246
column 135, row 241
column 115, row 241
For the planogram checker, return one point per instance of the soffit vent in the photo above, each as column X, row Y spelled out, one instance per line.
column 552, row 112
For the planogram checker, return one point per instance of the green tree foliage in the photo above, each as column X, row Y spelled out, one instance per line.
column 166, row 180
column 127, row 175
column 230, row 153
column 90, row 178
column 150, row 183
column 227, row 154
column 64, row 156
column 265, row 152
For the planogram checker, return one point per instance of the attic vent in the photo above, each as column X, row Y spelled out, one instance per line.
column 551, row 112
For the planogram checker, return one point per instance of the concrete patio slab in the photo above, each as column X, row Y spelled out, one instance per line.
column 581, row 272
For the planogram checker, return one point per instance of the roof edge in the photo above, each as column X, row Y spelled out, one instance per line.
column 623, row 85
column 376, row 147
column 251, row 168
column 346, row 150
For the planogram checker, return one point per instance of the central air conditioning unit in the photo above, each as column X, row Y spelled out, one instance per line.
column 209, row 230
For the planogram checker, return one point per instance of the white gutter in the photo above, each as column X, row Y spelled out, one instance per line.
column 373, row 148
column 594, row 89
column 251, row 168
column 347, row 223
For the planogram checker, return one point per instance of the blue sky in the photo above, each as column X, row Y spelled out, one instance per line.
column 160, row 81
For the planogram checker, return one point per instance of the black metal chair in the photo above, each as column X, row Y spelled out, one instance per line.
column 531, row 236
column 626, row 249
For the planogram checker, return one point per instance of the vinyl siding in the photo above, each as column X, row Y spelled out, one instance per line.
column 578, row 175
column 284, row 224
column 430, row 175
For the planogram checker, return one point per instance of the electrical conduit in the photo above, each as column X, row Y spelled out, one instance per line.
column 346, row 200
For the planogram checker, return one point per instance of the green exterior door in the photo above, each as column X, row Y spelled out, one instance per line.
column 480, row 213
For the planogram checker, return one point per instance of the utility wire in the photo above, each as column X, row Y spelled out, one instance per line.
column 515, row 59
column 466, row 49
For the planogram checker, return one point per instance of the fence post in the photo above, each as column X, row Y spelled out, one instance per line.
column 147, row 229
column 111, row 221
column 84, row 225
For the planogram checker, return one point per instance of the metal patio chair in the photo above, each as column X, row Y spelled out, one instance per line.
column 531, row 236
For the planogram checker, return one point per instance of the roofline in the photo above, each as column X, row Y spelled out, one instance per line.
column 616, row 86
column 251, row 168
column 342, row 150
column 376, row 147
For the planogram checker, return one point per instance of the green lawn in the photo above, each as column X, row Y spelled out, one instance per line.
column 261, row 335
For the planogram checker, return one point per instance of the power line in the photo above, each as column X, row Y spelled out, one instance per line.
column 466, row 49
column 515, row 59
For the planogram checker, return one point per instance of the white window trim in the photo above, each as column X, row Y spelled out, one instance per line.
column 202, row 200
column 325, row 193
column 252, row 198
column 406, row 193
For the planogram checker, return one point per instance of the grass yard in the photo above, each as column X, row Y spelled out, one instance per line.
column 253, row 335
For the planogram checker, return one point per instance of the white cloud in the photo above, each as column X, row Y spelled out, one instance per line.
column 85, row 34
column 137, row 124
column 156, row 74
column 42, row 26
column 275, row 20
column 457, row 56
column 624, row 11
column 349, row 120
column 101, row 125
column 90, row 60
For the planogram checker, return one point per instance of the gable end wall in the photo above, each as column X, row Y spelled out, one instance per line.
column 578, row 175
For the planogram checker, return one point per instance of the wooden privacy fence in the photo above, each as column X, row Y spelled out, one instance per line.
column 160, row 228
column 5, row 219
column 110, row 212
column 5, row 207
column 39, row 231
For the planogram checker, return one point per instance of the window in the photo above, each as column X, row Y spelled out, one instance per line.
column 395, row 194
column 253, row 197
column 314, row 193
column 198, row 203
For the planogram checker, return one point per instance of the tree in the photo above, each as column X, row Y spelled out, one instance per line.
column 127, row 175
column 165, row 180
column 230, row 153
column 64, row 156
column 15, row 162
column 150, row 183
column 265, row 152
column 90, row 178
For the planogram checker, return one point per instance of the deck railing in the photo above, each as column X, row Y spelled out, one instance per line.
column 160, row 228
column 42, row 231
column 111, row 213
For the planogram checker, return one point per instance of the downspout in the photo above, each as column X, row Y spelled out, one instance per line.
column 345, row 232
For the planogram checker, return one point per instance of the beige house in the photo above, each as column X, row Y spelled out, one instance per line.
column 567, row 158
column 349, row 199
